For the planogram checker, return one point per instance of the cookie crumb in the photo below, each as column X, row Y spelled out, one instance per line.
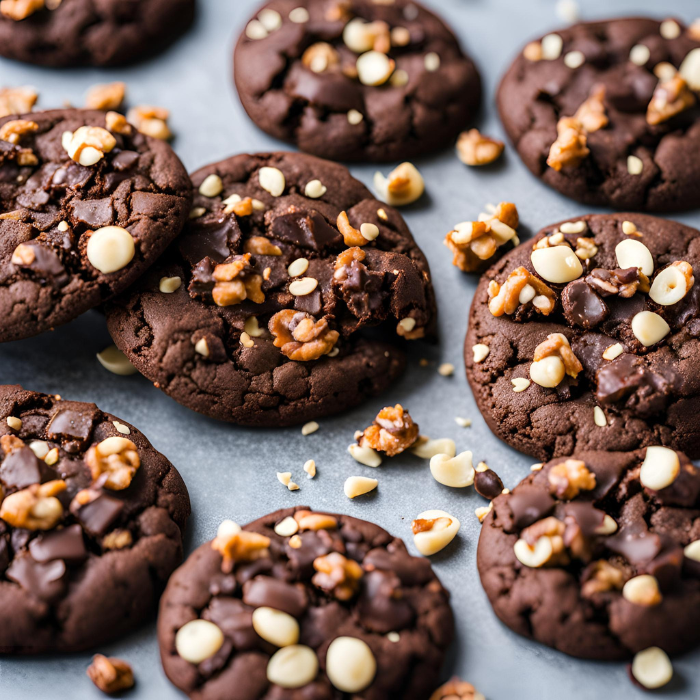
column 463, row 422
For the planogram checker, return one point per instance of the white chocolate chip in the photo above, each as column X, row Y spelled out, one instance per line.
column 310, row 468
column 198, row 640
column 287, row 527
column 212, row 186
column 168, row 285
column 407, row 324
column 201, row 347
column 567, row 11
column 228, row 528
column 692, row 551
column 197, row 212
column 572, row 227
column 520, row 384
column 393, row 637
column 299, row 15
column 355, row 117
column 115, row 361
column 446, row 369
column 350, row 664
column 400, row 78
column 660, row 468
column 599, row 417
column 274, row 626
column 690, row 69
column 246, row 341
column 121, row 428
column 534, row 557
column 538, row 466
column 303, row 286
column 14, row 422
column 270, row 19
column 639, row 54
column 608, row 527
column 669, row 286
column 358, row 486
column 652, row 668
column 298, row 267
column 272, row 180
column 613, row 351
column 642, row 590
column 463, row 422
column 456, row 472
column 483, row 511
column 63, row 226
column 252, row 328
column 481, row 352
column 255, row 30
column 635, row 165
column 365, row 455
column 628, row 228
column 374, row 68
column 548, row 372
column 558, row 264
column 310, row 427
column 425, row 448
column 293, row 666
column 110, row 249
column 369, row 231
column 527, row 294
column 574, row 59
column 315, row 189
column 633, row 253
column 432, row 62
column 52, row 457
column 284, row 478
column 669, row 29
column 649, row 328
column 39, row 447
column 552, row 45
column 442, row 532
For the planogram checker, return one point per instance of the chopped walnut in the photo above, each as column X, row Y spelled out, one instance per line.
column 23, row 255
column 600, row 577
column 117, row 124
column 13, row 131
column 320, row 57
column 19, row 100
column 586, row 248
column 150, row 120
column 623, row 283
column 88, row 144
column 241, row 546
column 18, row 10
column 557, row 344
column 10, row 443
column 300, row 336
column 351, row 235
column 553, row 529
column 473, row 148
column 111, row 674
column 520, row 289
column 117, row 539
column 347, row 257
column 339, row 11
column 108, row 96
column 115, row 457
column 591, row 114
column 244, row 207
column 308, row 520
column 259, row 245
column 456, row 689
column 234, row 282
column 567, row 479
column 34, row 508
column 569, row 150
column 393, row 431
column 337, row 575
column 670, row 98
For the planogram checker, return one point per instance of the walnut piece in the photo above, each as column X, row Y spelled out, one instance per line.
column 585, row 248
column 473, row 148
column 300, row 336
column 234, row 282
column 670, row 98
column 110, row 674
column 567, row 479
column 456, row 689
column 351, row 235
column 117, row 539
column 115, row 457
column 315, row 521
column 570, row 149
column 600, row 577
column 241, row 546
column 393, row 431
column 10, row 443
column 552, row 529
column 320, row 57
column 623, row 283
column 557, row 344
column 337, row 575
column 591, row 114
column 23, row 255
column 259, row 245
column 116, row 123
column 13, row 131
column 108, row 96
column 20, row 9
column 18, row 100
column 34, row 508
column 88, row 144
column 244, row 207
column 150, row 120
column 346, row 258
column 520, row 289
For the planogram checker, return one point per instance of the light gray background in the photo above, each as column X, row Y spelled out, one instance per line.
column 230, row 471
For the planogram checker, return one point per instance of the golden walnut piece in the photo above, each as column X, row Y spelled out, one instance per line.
column 670, row 98
column 521, row 288
column 393, row 431
column 300, row 336
column 337, row 575
column 115, row 457
column 557, row 345
column 473, row 148
column 240, row 546
column 591, row 113
column 234, row 282
column 34, row 508
column 456, row 689
column 567, row 479
column 570, row 148
column 17, row 100
column 110, row 674
column 473, row 242
column 20, row 9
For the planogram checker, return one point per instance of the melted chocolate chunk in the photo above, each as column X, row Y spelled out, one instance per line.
column 45, row 580
column 583, row 306
column 71, row 424
column 306, row 229
column 66, row 544
column 22, row 468
column 529, row 506
column 213, row 236
column 99, row 514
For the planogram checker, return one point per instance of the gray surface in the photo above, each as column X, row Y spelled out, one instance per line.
column 230, row 471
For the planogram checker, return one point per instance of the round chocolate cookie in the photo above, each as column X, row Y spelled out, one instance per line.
column 587, row 337
column 355, row 80
column 600, row 112
column 90, row 32
column 87, row 203
column 598, row 555
column 256, row 313
column 91, row 522
column 304, row 604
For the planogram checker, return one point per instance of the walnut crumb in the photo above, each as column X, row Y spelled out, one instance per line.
column 393, row 431
column 110, row 674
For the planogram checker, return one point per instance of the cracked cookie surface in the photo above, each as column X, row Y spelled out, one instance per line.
column 298, row 78
column 621, row 58
column 633, row 395
column 580, row 600
column 90, row 32
column 329, row 577
column 265, row 325
column 51, row 205
column 91, row 524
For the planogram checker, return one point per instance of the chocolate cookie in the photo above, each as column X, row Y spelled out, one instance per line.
column 588, row 338
column 256, row 314
column 599, row 555
column 304, row 604
column 91, row 522
column 90, row 32
column 355, row 80
column 600, row 112
column 87, row 203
